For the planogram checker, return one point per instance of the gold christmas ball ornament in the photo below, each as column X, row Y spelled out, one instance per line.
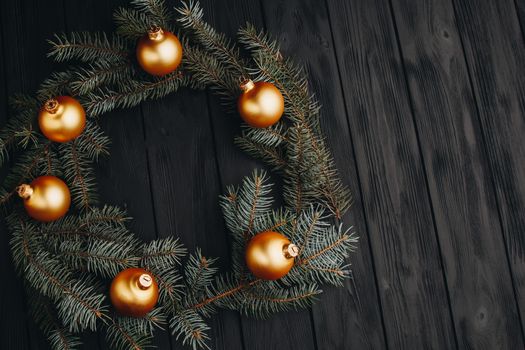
column 46, row 198
column 270, row 255
column 62, row 119
column 159, row 52
column 260, row 104
column 134, row 292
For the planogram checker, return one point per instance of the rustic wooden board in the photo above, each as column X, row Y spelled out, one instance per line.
column 11, row 299
column 468, row 227
column 398, row 213
column 494, row 51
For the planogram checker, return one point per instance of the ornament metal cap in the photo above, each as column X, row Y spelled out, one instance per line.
column 24, row 191
column 155, row 32
column 145, row 281
column 247, row 85
column 290, row 251
column 51, row 105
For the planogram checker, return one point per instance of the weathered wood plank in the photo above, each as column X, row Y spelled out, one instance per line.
column 353, row 312
column 398, row 213
column 12, row 298
column 494, row 50
column 469, row 231
column 520, row 10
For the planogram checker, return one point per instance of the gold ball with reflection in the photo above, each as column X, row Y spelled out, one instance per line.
column 270, row 255
column 46, row 199
column 134, row 292
column 62, row 119
column 159, row 52
column 261, row 104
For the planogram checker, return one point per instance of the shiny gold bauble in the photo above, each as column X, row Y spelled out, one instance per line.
column 134, row 292
column 62, row 119
column 270, row 255
column 47, row 198
column 261, row 104
column 159, row 52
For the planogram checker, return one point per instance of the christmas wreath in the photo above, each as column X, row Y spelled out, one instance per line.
column 73, row 259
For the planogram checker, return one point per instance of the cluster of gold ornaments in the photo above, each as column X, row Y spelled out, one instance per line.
column 47, row 198
column 134, row 291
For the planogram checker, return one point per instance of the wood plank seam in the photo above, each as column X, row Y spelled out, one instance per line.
column 359, row 189
column 425, row 170
column 485, row 149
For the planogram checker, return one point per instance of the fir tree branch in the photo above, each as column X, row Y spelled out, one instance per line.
column 325, row 250
column 45, row 316
column 145, row 325
column 133, row 92
column 79, row 306
column 199, row 273
column 271, row 155
column 170, row 288
column 225, row 294
column 97, row 74
column 132, row 24
column 206, row 70
column 79, row 175
column 267, row 301
column 19, row 132
column 156, row 10
column 20, row 103
column 57, row 84
column 93, row 143
column 215, row 43
column 189, row 325
column 106, row 259
column 108, row 214
column 162, row 253
column 25, row 169
column 120, row 337
column 87, row 47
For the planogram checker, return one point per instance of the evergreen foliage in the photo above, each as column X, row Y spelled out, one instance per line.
column 68, row 263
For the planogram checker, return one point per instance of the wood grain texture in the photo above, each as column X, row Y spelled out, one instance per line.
column 494, row 50
column 398, row 213
column 466, row 215
column 11, row 299
column 353, row 312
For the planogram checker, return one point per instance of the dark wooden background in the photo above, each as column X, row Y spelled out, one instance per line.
column 424, row 111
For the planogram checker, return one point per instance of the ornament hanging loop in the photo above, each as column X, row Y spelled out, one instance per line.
column 155, row 32
column 145, row 281
column 51, row 105
column 246, row 84
column 24, row 191
column 290, row 251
